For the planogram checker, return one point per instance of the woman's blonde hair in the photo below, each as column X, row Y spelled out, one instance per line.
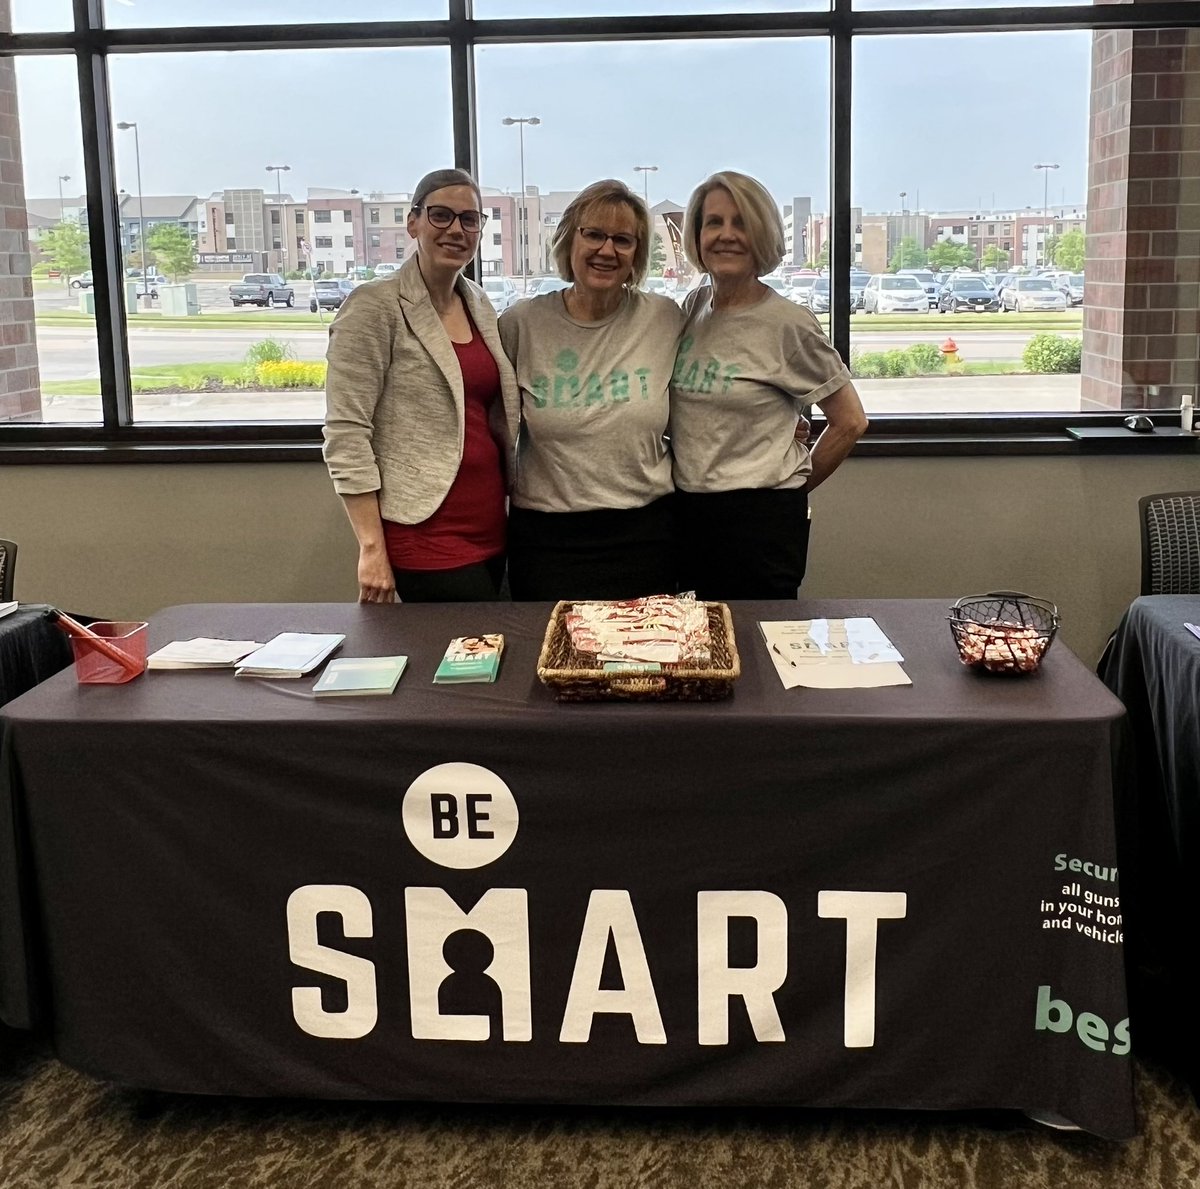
column 760, row 215
column 604, row 196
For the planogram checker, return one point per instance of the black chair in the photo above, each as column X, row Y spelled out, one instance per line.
column 8, row 569
column 1170, row 543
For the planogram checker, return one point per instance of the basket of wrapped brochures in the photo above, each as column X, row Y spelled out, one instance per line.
column 1003, row 631
column 656, row 649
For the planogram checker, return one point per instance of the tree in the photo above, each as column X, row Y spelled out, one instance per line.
column 66, row 247
column 1050, row 248
column 994, row 257
column 658, row 256
column 173, row 249
column 948, row 254
column 1071, row 250
column 908, row 254
column 822, row 260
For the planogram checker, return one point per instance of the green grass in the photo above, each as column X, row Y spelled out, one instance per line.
column 192, row 376
column 875, row 323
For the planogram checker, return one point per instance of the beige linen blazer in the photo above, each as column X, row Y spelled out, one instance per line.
column 394, row 404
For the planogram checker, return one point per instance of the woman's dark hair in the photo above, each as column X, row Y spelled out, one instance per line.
column 439, row 179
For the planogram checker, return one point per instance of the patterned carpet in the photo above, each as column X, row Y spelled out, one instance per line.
column 59, row 1128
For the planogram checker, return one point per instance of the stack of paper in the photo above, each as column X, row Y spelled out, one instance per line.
column 5, row 608
column 201, row 653
column 471, row 658
column 833, row 654
column 361, row 675
column 290, row 654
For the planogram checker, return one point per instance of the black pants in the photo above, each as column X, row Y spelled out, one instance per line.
column 749, row 544
column 611, row 553
column 479, row 583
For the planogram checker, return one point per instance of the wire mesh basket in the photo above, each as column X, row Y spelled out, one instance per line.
column 1003, row 631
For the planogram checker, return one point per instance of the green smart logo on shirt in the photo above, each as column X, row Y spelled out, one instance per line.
column 567, row 389
column 688, row 377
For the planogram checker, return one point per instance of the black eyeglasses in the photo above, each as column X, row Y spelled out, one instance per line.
column 443, row 217
column 595, row 238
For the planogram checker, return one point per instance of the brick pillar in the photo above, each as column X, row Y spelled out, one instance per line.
column 1141, row 327
column 20, row 392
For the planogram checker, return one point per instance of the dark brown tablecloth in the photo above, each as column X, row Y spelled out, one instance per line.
column 883, row 897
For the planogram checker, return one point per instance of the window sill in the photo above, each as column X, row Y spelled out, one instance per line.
column 888, row 437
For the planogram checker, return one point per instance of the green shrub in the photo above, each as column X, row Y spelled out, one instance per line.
column 866, row 364
column 927, row 359
column 289, row 373
column 921, row 359
column 1051, row 354
column 268, row 351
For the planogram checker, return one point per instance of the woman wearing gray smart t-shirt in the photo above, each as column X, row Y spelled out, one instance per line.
column 590, row 514
column 749, row 362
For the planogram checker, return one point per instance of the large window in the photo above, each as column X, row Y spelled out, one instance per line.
column 929, row 180
column 1028, row 173
column 237, row 183
column 562, row 153
column 48, row 359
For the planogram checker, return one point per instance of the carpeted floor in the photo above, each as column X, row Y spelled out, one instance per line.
column 59, row 1128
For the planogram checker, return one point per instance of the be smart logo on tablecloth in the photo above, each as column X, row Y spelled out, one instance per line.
column 460, row 815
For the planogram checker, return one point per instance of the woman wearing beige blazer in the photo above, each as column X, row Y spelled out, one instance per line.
column 422, row 411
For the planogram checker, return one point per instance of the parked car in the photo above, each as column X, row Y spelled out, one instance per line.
column 858, row 283
column 1073, row 288
column 664, row 286
column 83, row 281
column 385, row 270
column 899, row 294
column 546, row 285
column 1032, row 293
column 262, row 289
column 778, row 284
column 800, row 285
column 501, row 292
column 967, row 293
column 329, row 295
column 925, row 276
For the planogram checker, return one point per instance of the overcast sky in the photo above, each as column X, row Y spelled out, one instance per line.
column 959, row 120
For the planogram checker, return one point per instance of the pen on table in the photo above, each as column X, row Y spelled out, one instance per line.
column 775, row 649
column 1191, row 627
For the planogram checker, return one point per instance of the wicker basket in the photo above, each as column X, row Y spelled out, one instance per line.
column 1003, row 631
column 574, row 677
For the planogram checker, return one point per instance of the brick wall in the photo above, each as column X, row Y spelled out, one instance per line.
column 20, row 396
column 1141, row 336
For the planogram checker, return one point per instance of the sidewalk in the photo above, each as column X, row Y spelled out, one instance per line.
column 926, row 394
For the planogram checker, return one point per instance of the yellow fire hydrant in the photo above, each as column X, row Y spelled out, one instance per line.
column 950, row 354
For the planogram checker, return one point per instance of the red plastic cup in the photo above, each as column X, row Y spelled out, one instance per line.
column 94, row 667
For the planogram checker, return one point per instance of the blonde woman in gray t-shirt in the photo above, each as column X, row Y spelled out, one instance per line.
column 590, row 515
column 749, row 362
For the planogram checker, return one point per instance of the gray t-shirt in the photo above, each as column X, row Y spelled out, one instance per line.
column 594, row 402
column 741, row 379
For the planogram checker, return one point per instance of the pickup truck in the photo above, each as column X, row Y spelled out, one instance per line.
column 262, row 289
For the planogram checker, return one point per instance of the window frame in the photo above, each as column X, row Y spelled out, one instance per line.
column 119, row 438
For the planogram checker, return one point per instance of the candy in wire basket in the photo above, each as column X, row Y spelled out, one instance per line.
column 1003, row 631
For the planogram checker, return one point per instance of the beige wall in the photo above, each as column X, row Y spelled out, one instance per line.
column 124, row 541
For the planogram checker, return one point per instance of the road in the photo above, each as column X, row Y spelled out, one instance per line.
column 69, row 352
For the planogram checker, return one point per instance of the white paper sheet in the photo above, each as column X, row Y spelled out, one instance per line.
column 833, row 654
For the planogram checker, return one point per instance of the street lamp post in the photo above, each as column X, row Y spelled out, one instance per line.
column 523, row 239
column 903, row 196
column 645, row 171
column 1045, row 206
column 279, row 170
column 137, row 153
column 62, row 208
